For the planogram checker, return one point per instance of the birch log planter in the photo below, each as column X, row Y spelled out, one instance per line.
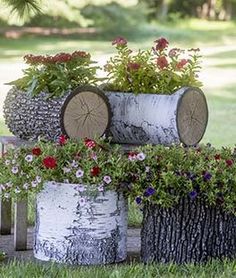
column 75, row 230
column 158, row 119
column 82, row 113
column 190, row 232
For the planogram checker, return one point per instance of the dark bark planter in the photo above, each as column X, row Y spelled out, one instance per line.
column 82, row 113
column 158, row 119
column 190, row 232
column 69, row 231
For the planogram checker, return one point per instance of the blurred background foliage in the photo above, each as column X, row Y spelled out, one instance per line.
column 109, row 15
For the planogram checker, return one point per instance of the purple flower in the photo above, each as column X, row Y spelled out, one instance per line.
column 207, row 176
column 138, row 200
column 192, row 194
column 149, row 191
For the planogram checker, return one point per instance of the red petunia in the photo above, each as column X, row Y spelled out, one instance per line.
column 181, row 64
column 89, row 143
column 162, row 62
column 217, row 157
column 36, row 151
column 119, row 41
column 162, row 43
column 229, row 162
column 50, row 162
column 95, row 171
column 62, row 139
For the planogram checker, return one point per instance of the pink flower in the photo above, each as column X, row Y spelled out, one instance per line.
column 141, row 156
column 162, row 43
column 95, row 171
column 181, row 64
column 62, row 139
column 107, row 179
column 36, row 151
column 94, row 156
column 162, row 62
column 119, row 41
column 89, row 143
column 173, row 52
column 50, row 162
column 100, row 188
column 132, row 156
column 133, row 66
column 229, row 162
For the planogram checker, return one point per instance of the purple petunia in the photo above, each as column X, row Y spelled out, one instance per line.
column 207, row 176
column 138, row 200
column 192, row 194
column 149, row 191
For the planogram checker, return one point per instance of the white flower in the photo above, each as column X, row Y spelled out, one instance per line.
column 17, row 190
column 7, row 162
column 80, row 188
column 8, row 184
column 79, row 173
column 7, row 195
column 13, row 161
column 34, row 183
column 100, row 188
column 29, row 158
column 147, row 169
column 2, row 187
column 66, row 170
column 82, row 201
column 141, row 156
column 74, row 164
column 38, row 179
column 25, row 186
column 14, row 170
column 107, row 179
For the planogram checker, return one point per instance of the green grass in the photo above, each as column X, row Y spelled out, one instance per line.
column 214, row 269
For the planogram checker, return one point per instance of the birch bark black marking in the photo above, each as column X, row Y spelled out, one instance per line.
column 158, row 119
column 189, row 232
column 69, row 233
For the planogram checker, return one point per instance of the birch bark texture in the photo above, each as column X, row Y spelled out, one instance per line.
column 190, row 232
column 79, row 230
column 158, row 119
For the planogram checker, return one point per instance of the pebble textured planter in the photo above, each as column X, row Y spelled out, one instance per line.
column 188, row 232
column 73, row 233
column 158, row 119
column 82, row 113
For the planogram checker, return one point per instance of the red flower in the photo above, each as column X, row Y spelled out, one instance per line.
column 173, row 52
column 36, row 151
column 119, row 41
column 50, row 162
column 162, row 43
column 89, row 143
column 95, row 171
column 229, row 162
column 162, row 62
column 62, row 139
column 217, row 157
column 133, row 66
column 181, row 64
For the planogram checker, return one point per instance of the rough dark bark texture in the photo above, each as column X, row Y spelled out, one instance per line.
column 188, row 232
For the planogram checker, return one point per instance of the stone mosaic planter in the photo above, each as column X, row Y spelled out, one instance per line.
column 71, row 231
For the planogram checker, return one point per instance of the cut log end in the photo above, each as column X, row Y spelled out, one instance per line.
column 192, row 116
column 85, row 113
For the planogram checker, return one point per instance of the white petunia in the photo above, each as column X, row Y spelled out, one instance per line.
column 38, row 179
column 74, row 164
column 7, row 195
column 66, row 170
column 147, row 169
column 107, row 179
column 34, row 183
column 100, row 188
column 13, row 161
column 80, row 188
column 29, row 158
column 7, row 162
column 79, row 173
column 14, row 170
column 82, row 201
column 25, row 186
column 17, row 190
column 141, row 156
column 8, row 184
column 2, row 186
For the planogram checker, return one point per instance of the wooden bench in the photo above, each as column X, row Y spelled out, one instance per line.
column 20, row 207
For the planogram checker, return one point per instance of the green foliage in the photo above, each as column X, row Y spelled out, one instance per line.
column 96, row 165
column 158, row 70
column 23, row 7
column 58, row 74
column 163, row 175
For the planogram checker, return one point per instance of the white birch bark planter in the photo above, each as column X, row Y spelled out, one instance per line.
column 158, row 119
column 70, row 232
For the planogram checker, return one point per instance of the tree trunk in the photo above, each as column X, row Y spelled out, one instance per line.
column 74, row 232
column 190, row 232
column 158, row 119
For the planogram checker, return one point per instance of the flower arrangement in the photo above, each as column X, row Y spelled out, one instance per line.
column 81, row 162
column 56, row 74
column 159, row 70
column 162, row 175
